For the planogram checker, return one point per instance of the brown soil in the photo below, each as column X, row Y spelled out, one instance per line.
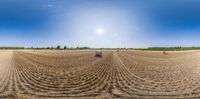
column 79, row 74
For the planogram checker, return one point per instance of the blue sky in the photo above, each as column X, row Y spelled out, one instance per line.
column 123, row 23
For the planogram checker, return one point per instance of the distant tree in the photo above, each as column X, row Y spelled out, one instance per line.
column 36, row 48
column 83, row 48
column 65, row 47
column 58, row 47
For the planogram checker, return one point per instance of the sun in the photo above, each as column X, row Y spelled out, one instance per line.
column 100, row 31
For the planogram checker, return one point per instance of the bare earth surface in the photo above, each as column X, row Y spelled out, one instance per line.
column 78, row 74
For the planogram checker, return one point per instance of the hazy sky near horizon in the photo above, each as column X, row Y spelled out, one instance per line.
column 100, row 23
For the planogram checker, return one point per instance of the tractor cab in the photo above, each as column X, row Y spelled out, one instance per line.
column 99, row 53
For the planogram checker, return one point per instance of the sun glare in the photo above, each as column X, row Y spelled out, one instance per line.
column 99, row 31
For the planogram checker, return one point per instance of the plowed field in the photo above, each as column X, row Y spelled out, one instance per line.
column 79, row 74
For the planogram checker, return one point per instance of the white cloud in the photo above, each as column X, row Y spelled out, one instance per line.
column 49, row 5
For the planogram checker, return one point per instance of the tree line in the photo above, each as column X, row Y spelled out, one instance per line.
column 177, row 48
column 58, row 47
